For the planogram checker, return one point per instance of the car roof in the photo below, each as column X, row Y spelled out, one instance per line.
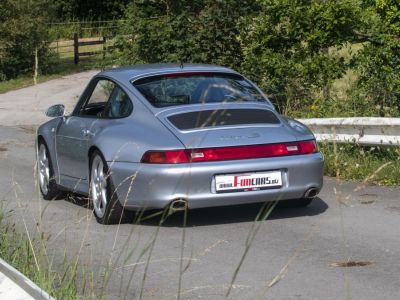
column 137, row 71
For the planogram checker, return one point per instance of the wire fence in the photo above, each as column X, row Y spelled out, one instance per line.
column 84, row 29
column 78, row 42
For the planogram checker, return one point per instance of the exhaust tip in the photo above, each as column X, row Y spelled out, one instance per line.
column 178, row 205
column 311, row 193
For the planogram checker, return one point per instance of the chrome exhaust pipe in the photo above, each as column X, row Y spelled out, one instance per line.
column 311, row 193
column 178, row 205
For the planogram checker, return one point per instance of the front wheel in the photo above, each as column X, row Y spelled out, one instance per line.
column 106, row 207
column 47, row 182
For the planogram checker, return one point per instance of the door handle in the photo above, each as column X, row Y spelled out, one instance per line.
column 86, row 132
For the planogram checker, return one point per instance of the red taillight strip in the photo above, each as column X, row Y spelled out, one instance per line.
column 229, row 153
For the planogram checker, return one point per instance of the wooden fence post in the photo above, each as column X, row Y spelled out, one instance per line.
column 35, row 72
column 104, row 47
column 76, row 49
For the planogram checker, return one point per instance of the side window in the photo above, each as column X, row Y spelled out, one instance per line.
column 119, row 105
column 96, row 103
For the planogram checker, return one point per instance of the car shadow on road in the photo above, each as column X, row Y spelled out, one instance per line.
column 236, row 214
column 219, row 215
column 78, row 200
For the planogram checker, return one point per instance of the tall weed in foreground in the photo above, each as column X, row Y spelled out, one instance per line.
column 28, row 255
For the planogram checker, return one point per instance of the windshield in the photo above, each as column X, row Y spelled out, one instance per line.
column 195, row 88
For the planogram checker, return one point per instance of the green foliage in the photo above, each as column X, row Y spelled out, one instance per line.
column 286, row 47
column 378, row 165
column 65, row 10
column 190, row 31
column 29, row 257
column 66, row 30
column 379, row 62
column 23, row 31
column 294, row 49
column 389, row 10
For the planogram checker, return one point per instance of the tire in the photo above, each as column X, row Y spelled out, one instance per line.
column 296, row 203
column 106, row 207
column 47, row 182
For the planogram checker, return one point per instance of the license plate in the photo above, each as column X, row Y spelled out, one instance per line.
column 248, row 181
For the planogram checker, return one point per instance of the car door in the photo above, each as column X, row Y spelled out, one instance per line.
column 75, row 131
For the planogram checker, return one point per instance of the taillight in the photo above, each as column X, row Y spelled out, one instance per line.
column 165, row 157
column 308, row 147
column 229, row 153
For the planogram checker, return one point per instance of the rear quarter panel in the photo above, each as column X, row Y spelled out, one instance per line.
column 127, row 139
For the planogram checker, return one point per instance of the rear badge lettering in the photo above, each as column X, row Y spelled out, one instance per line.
column 253, row 135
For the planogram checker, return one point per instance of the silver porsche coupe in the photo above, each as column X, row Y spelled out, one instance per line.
column 175, row 136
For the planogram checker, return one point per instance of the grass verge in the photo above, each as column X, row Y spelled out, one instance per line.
column 62, row 67
column 376, row 165
column 28, row 255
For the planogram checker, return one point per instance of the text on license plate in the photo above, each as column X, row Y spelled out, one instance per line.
column 248, row 181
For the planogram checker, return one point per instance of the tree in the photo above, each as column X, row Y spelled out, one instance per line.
column 287, row 47
column 203, row 31
column 23, row 32
column 379, row 61
column 65, row 10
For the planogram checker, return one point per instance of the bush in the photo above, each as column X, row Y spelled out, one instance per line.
column 87, row 10
column 377, row 165
column 197, row 31
column 379, row 62
column 23, row 31
column 286, row 48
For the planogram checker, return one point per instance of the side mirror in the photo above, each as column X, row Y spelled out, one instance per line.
column 55, row 111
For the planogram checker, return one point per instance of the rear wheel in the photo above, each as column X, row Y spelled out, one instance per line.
column 47, row 182
column 106, row 207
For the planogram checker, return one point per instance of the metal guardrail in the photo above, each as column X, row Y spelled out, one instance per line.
column 364, row 131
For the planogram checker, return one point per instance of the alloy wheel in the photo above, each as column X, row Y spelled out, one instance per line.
column 44, row 169
column 98, row 186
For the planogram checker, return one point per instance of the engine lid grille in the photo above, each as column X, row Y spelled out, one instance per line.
column 222, row 117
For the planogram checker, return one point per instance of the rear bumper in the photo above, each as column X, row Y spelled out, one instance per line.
column 155, row 185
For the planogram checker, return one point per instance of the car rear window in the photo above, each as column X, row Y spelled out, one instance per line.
column 222, row 117
column 194, row 88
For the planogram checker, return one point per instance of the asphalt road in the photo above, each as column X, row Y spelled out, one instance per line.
column 295, row 254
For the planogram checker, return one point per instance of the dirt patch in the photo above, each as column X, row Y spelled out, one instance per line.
column 368, row 198
column 368, row 195
column 350, row 264
column 28, row 129
column 367, row 201
column 3, row 152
